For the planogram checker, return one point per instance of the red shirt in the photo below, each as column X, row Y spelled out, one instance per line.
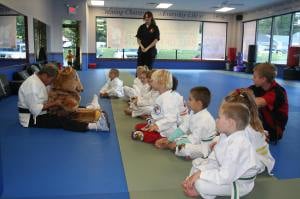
column 275, row 114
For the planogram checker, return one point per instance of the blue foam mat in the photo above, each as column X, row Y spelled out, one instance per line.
column 53, row 163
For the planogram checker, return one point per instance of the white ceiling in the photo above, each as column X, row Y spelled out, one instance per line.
column 196, row 5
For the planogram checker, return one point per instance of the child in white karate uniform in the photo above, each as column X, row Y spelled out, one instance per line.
column 114, row 86
column 140, row 85
column 254, row 131
column 198, row 129
column 141, row 106
column 183, row 109
column 230, row 169
column 165, row 113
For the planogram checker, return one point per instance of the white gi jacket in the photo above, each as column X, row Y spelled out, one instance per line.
column 33, row 94
column 137, row 89
column 183, row 109
column 140, row 88
column 148, row 99
column 145, row 104
column 232, row 159
column 166, row 112
column 258, row 141
column 114, row 88
column 200, row 130
column 199, row 126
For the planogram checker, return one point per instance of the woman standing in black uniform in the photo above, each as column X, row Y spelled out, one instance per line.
column 147, row 37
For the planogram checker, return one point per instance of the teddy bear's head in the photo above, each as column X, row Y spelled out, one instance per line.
column 66, row 88
column 67, row 80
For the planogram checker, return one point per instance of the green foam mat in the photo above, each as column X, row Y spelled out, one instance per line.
column 153, row 173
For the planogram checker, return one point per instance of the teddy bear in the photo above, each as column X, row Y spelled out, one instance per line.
column 67, row 88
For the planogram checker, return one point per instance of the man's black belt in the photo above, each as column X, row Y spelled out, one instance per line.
column 23, row 110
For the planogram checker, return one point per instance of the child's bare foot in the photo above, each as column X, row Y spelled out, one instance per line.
column 104, row 95
column 161, row 143
column 191, row 192
column 128, row 112
column 172, row 146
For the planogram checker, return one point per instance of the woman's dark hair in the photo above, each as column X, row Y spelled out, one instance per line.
column 175, row 83
column 149, row 14
column 42, row 55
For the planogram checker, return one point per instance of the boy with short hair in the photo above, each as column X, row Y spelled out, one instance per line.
column 231, row 167
column 271, row 99
column 114, row 86
column 198, row 129
column 70, row 58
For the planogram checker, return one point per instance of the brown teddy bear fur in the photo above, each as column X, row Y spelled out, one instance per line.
column 66, row 88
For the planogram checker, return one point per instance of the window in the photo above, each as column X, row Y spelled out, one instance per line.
column 263, row 39
column 178, row 36
column 12, row 37
column 115, row 38
column 214, row 41
column 249, row 37
column 194, row 53
column 40, row 40
column 280, row 39
column 296, row 30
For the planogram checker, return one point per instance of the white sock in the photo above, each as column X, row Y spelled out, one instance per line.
column 94, row 103
column 92, row 126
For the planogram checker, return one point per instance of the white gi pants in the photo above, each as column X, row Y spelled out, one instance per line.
column 210, row 190
column 130, row 92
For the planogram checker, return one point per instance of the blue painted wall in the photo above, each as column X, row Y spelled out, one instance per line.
column 9, row 66
column 32, row 58
column 57, row 57
column 171, row 64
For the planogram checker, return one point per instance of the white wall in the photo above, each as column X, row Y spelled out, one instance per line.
column 39, row 9
column 60, row 13
column 52, row 13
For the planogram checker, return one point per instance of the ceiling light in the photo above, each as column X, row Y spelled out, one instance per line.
column 164, row 5
column 97, row 3
column 224, row 9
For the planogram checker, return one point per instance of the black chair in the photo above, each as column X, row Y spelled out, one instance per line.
column 18, row 78
column 5, row 89
column 20, row 75
column 32, row 69
column 291, row 73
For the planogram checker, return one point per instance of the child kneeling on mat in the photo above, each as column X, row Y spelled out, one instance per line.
column 230, row 169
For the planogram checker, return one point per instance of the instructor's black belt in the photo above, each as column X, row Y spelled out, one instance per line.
column 23, row 110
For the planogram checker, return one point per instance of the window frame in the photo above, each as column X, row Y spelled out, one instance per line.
column 271, row 35
column 176, row 50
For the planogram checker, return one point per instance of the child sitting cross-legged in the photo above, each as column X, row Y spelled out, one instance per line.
column 141, row 106
column 140, row 84
column 230, row 169
column 165, row 113
column 199, row 129
column 114, row 86
column 254, row 131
